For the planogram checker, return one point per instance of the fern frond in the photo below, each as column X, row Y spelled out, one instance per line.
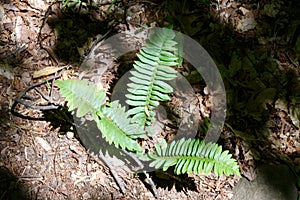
column 193, row 156
column 148, row 81
column 116, row 127
column 81, row 95
column 179, row 52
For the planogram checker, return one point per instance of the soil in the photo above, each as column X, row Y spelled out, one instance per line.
column 42, row 157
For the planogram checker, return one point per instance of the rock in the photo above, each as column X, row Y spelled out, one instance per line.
column 276, row 182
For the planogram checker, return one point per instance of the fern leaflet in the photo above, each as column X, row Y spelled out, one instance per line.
column 81, row 95
column 116, row 128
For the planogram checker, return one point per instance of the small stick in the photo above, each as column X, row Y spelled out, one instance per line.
column 42, row 94
column 113, row 172
column 27, row 104
column 152, row 184
column 292, row 61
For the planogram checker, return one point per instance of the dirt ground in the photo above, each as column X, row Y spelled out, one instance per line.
column 42, row 158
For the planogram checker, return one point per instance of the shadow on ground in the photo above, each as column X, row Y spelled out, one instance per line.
column 167, row 180
column 11, row 187
column 258, row 67
column 73, row 29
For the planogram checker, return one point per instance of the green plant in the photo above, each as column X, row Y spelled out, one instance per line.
column 69, row 4
column 193, row 155
column 148, row 83
column 147, row 88
column 111, row 4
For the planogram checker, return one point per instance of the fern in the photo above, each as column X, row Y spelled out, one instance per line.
column 113, row 123
column 86, row 98
column 116, row 127
column 195, row 156
column 148, row 86
column 148, row 82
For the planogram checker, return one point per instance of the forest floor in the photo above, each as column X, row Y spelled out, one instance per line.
column 42, row 158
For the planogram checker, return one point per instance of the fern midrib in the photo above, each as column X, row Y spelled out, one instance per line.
column 116, row 127
column 183, row 157
column 154, row 75
column 113, row 123
column 84, row 99
column 149, row 93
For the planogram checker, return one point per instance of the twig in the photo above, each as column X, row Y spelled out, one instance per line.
column 291, row 60
column 27, row 104
column 42, row 94
column 31, row 178
column 125, row 14
column 153, row 187
column 99, row 39
column 152, row 184
column 54, row 165
column 39, row 38
column 18, row 50
column 86, row 166
column 46, row 107
column 51, row 91
column 113, row 172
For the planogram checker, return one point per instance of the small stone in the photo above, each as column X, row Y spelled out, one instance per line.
column 70, row 135
column 86, row 196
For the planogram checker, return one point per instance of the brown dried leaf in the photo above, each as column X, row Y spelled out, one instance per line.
column 46, row 71
column 44, row 144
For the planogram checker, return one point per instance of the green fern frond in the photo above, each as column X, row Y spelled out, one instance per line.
column 193, row 156
column 81, row 95
column 179, row 52
column 116, row 128
column 148, row 82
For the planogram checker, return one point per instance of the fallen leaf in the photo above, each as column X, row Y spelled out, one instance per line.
column 46, row 71
column 40, row 5
column 244, row 10
column 44, row 144
column 6, row 71
column 246, row 24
